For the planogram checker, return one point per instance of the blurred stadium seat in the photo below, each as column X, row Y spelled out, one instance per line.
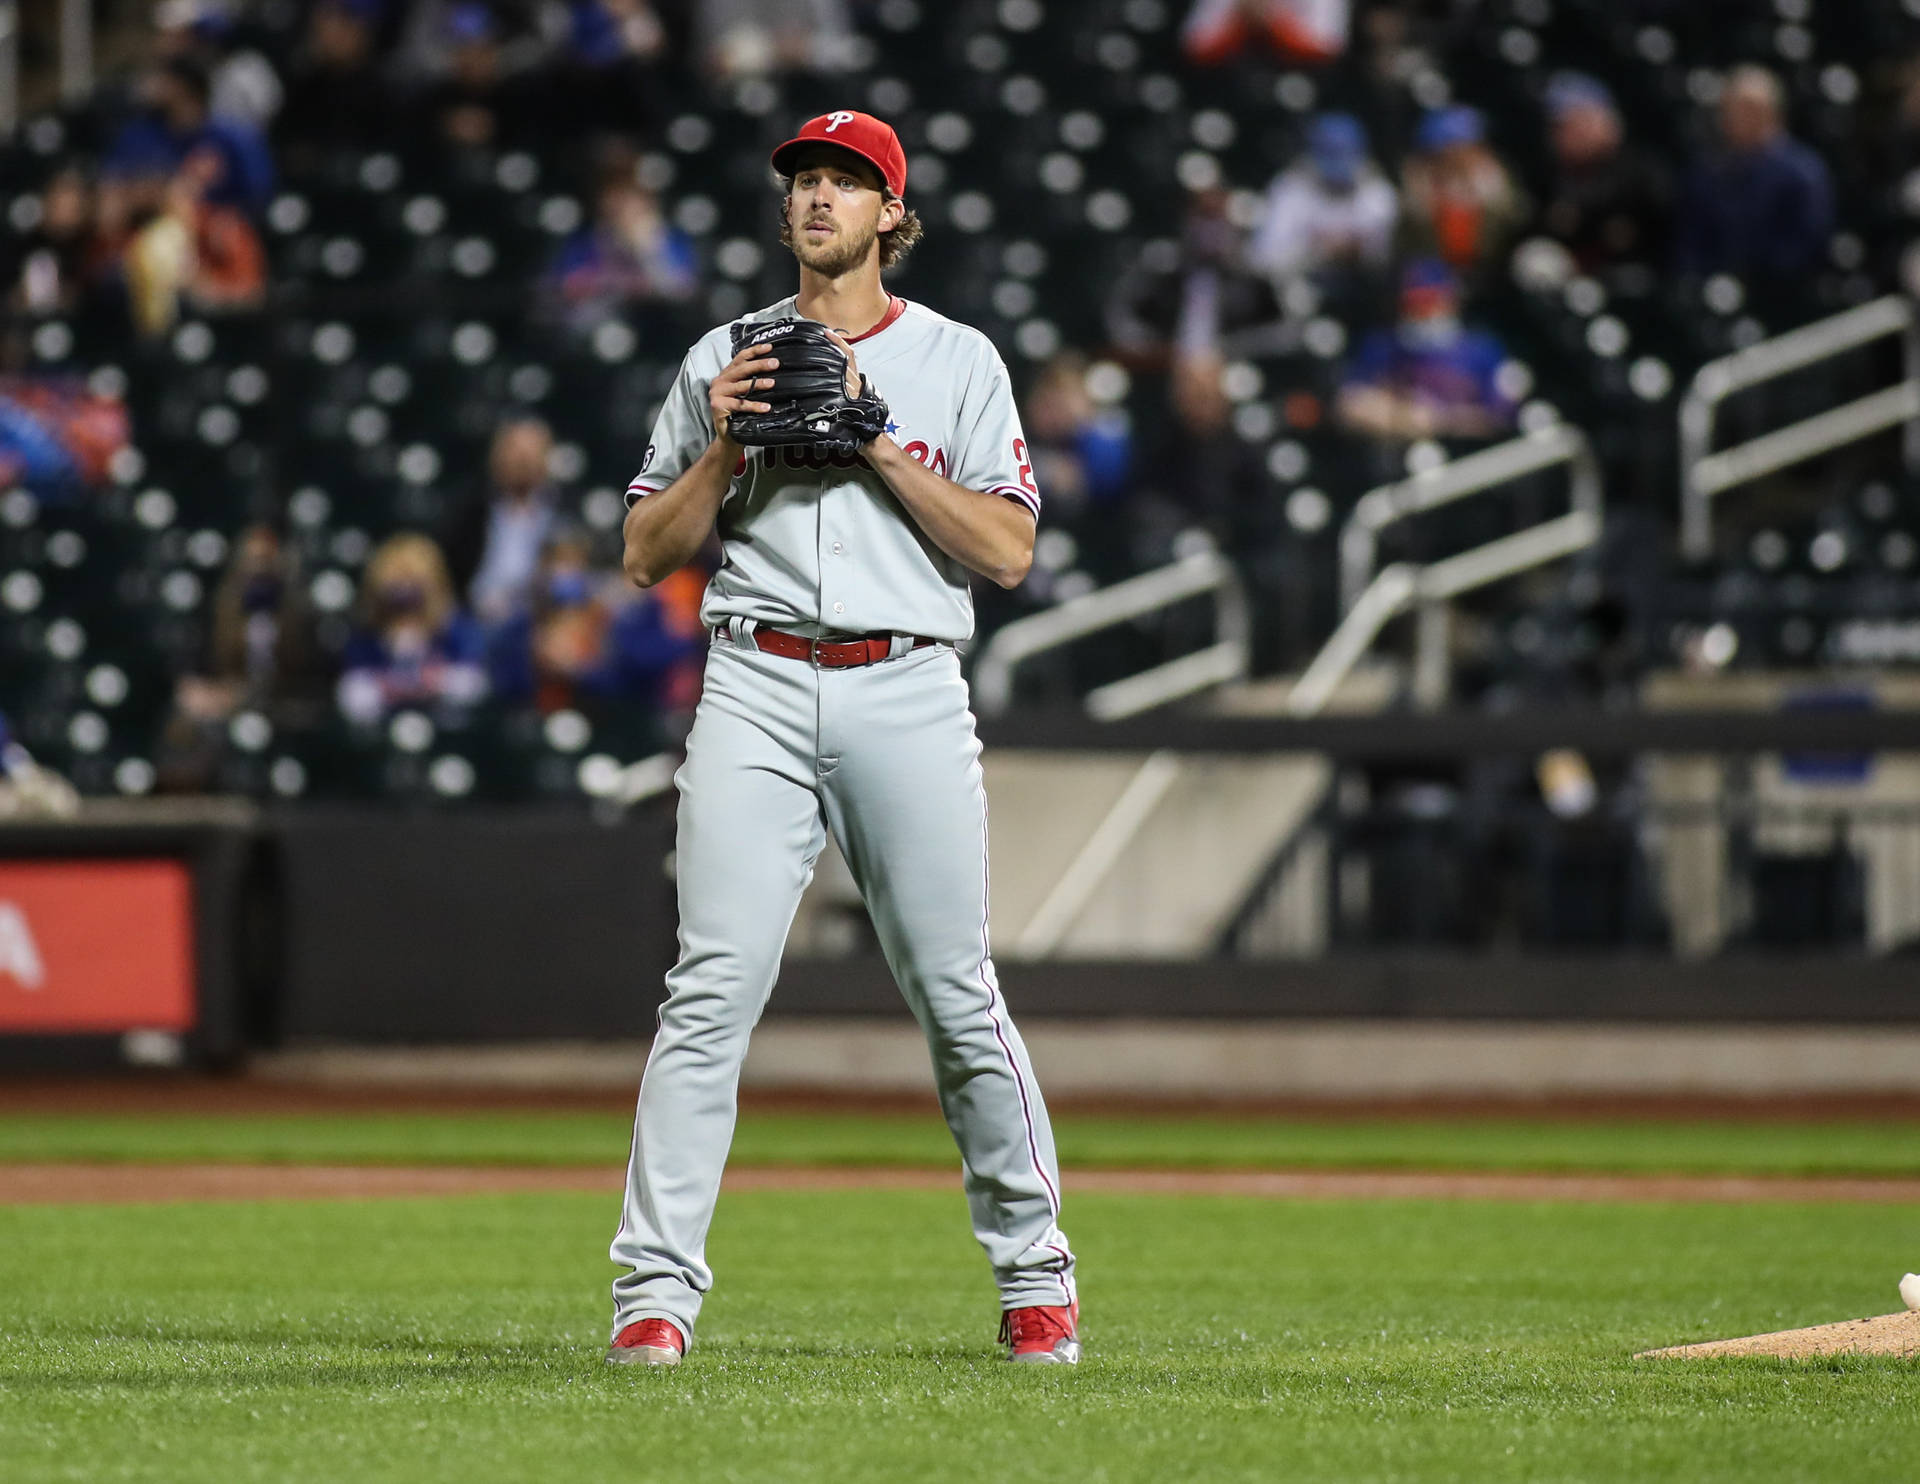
column 1064, row 157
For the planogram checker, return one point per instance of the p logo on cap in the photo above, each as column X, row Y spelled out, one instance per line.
column 872, row 139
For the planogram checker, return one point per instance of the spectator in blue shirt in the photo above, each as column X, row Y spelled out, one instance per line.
column 1761, row 207
column 608, row 77
column 1082, row 453
column 179, row 123
column 587, row 639
column 1430, row 376
column 31, row 453
column 414, row 646
column 494, row 539
column 628, row 259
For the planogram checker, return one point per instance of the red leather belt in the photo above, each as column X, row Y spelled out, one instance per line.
column 831, row 654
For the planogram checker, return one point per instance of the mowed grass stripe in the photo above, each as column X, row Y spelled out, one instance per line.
column 910, row 1140
column 850, row 1339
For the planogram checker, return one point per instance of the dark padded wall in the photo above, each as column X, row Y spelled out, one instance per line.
column 474, row 926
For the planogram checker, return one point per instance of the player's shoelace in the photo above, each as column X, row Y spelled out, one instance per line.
column 1037, row 1328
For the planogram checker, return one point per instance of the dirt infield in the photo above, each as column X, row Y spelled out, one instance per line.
column 1883, row 1334
column 193, row 1093
column 50, row 1184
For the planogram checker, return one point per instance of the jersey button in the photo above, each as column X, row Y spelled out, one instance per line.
column 839, row 607
column 838, row 549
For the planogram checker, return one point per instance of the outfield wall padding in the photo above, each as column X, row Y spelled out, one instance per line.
column 474, row 926
column 380, row 927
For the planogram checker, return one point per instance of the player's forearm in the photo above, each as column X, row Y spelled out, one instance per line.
column 988, row 534
column 664, row 531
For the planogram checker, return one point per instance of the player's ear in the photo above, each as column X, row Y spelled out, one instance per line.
column 891, row 211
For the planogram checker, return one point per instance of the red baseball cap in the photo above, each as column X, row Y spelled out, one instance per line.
column 861, row 134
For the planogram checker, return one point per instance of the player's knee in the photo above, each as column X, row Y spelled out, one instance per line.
column 714, row 991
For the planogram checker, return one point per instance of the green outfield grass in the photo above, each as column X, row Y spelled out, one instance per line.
column 850, row 1340
column 578, row 1138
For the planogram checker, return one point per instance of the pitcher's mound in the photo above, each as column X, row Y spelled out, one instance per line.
column 1884, row 1334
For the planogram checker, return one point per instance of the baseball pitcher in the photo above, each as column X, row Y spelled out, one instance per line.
column 862, row 459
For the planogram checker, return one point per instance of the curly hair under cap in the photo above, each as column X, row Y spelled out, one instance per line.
column 894, row 244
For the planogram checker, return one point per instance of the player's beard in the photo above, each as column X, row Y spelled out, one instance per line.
column 837, row 256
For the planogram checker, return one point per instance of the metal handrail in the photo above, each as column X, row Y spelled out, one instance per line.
column 1556, row 444
column 1403, row 585
column 1704, row 474
column 9, row 67
column 1385, row 599
column 1104, row 608
column 1098, row 855
column 76, row 50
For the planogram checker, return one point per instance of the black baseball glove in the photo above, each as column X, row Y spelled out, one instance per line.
column 809, row 398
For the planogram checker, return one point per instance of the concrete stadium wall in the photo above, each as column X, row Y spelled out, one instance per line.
column 478, row 930
column 1184, row 1061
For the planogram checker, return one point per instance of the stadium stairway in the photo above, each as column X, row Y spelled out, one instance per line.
column 1136, row 854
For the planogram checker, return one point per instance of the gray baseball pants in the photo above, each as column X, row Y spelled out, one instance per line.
column 885, row 756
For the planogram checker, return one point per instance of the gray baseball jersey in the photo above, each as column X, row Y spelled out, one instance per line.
column 816, row 543
column 885, row 758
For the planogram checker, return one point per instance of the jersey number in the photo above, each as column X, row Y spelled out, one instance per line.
column 1026, row 467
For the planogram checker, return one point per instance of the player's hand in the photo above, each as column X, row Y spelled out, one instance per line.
column 854, row 379
column 839, row 338
column 731, row 390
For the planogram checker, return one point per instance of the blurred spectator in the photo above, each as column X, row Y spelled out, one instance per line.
column 262, row 656
column 1329, row 217
column 1391, row 49
column 1429, row 377
column 1082, row 454
column 1394, row 51
column 1760, row 207
column 244, row 85
column 1610, row 204
column 1197, row 291
column 414, row 647
column 753, row 38
column 588, row 637
column 476, row 105
column 1891, row 118
column 493, row 546
column 57, row 436
column 26, row 788
column 337, row 94
column 1311, row 31
column 526, row 33
column 177, row 125
column 1459, row 202
column 627, row 257
column 1201, row 471
column 1203, row 477
column 194, row 250
column 607, row 76
column 54, row 267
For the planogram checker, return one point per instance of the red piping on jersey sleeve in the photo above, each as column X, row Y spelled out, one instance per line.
column 896, row 307
column 1014, row 492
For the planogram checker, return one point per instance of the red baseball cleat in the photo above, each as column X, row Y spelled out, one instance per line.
column 1045, row 1334
column 647, row 1342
